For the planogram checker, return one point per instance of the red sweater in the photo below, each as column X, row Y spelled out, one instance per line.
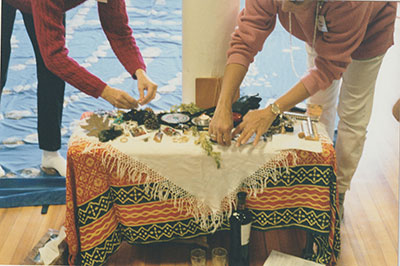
column 50, row 32
column 358, row 30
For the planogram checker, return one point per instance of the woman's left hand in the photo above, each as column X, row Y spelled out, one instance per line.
column 145, row 83
column 254, row 122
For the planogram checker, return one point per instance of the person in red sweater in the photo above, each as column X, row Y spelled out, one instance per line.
column 50, row 93
column 48, row 18
column 344, row 39
column 50, row 32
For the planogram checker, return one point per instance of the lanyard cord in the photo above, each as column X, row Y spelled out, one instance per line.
column 317, row 9
column 291, row 46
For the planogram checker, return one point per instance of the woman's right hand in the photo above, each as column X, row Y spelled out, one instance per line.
column 119, row 98
column 221, row 125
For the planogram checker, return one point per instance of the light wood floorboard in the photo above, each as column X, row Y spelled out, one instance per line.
column 21, row 228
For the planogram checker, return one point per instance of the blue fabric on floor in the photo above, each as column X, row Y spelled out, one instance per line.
column 17, row 192
column 157, row 29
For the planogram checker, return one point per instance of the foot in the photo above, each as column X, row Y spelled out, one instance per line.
column 53, row 163
column 2, row 172
column 341, row 205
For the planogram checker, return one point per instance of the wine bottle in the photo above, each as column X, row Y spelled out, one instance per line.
column 240, row 227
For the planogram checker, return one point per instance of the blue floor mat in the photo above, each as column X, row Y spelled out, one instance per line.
column 157, row 29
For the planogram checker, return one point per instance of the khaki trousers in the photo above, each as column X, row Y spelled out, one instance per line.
column 354, row 110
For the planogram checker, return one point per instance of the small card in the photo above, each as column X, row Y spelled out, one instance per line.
column 322, row 24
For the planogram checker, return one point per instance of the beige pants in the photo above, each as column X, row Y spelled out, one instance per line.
column 354, row 110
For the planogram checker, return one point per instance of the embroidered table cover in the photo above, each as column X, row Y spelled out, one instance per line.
column 108, row 204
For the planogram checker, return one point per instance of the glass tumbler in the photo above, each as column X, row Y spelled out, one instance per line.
column 219, row 256
column 198, row 257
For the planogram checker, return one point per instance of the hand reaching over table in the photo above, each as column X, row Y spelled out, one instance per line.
column 221, row 125
column 254, row 122
column 119, row 98
column 145, row 83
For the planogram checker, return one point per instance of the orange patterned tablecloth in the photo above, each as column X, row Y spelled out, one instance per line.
column 104, row 209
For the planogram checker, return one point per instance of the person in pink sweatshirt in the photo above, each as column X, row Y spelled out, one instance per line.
column 396, row 110
column 344, row 40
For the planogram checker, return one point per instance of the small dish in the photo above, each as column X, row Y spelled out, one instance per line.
column 175, row 118
column 202, row 120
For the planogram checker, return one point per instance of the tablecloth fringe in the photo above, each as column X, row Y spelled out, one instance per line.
column 158, row 187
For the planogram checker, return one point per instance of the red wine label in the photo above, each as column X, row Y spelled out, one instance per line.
column 245, row 233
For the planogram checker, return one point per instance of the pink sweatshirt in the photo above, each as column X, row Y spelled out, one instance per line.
column 358, row 30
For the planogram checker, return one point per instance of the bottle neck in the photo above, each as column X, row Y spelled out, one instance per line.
column 241, row 201
column 241, row 206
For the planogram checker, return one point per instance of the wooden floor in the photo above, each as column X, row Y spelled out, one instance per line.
column 369, row 231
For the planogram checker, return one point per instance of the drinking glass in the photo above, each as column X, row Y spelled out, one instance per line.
column 219, row 256
column 198, row 257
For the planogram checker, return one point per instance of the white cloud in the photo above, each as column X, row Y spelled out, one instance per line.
column 118, row 80
column 137, row 23
column 31, row 61
column 287, row 50
column 176, row 37
column 18, row 67
column 20, row 88
column 165, row 22
column 158, row 97
column 93, row 22
column 158, row 13
column 150, row 53
column 161, row 2
column 167, row 88
column 172, row 84
column 137, row 10
column 92, row 59
column 86, row 65
column 18, row 114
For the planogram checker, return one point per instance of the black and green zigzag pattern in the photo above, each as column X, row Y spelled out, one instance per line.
column 317, row 222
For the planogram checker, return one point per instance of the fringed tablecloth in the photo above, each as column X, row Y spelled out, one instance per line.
column 108, row 202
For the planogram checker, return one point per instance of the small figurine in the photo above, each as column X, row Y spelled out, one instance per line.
column 158, row 136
